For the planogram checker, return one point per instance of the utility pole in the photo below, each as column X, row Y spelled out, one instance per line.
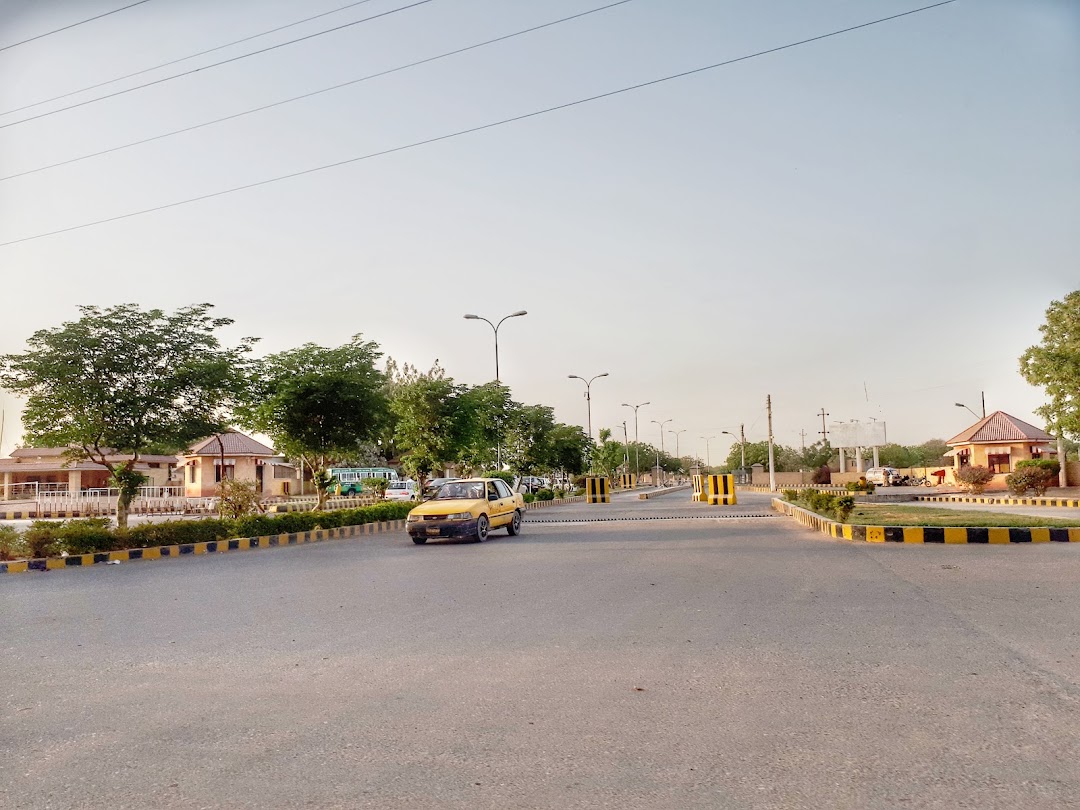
column 742, row 446
column 626, row 447
column 772, row 460
column 983, row 395
column 823, row 431
column 802, row 438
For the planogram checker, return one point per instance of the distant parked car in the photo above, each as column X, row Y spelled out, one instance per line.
column 884, row 476
column 402, row 491
column 531, row 483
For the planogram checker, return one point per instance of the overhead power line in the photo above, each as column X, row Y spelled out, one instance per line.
column 72, row 25
column 216, row 64
column 182, row 58
column 317, row 92
column 479, row 128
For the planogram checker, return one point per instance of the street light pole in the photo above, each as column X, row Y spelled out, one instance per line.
column 708, row 458
column 661, row 424
column 495, row 328
column 962, row 405
column 637, row 444
column 677, row 432
column 588, row 393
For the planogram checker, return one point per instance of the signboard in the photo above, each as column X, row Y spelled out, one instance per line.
column 857, row 434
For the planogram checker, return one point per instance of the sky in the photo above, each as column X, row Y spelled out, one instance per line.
column 873, row 224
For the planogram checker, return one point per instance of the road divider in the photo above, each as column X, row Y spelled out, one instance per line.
column 1071, row 503
column 948, row 535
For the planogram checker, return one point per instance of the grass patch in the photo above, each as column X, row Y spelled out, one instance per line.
column 891, row 515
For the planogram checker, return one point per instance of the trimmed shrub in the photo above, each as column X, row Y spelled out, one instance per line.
column 87, row 535
column 42, row 539
column 529, row 497
column 505, row 475
column 1038, row 479
column 560, row 493
column 176, row 532
column 1048, row 464
column 12, row 545
column 822, row 475
column 975, row 478
column 579, row 491
column 791, row 495
column 545, row 495
column 842, row 508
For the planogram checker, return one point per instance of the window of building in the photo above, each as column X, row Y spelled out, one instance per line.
column 230, row 470
column 191, row 474
column 998, row 462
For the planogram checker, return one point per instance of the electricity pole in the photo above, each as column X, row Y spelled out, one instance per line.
column 823, row 431
column 772, row 460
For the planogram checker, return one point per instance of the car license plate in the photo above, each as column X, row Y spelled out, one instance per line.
column 434, row 532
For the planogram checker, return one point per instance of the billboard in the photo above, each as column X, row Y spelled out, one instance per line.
column 857, row 434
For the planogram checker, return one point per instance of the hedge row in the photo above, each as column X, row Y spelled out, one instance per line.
column 48, row 538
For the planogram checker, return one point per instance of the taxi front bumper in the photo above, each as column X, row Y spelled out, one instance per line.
column 442, row 528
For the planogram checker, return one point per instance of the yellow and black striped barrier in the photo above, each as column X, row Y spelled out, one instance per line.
column 948, row 535
column 721, row 489
column 628, row 481
column 700, row 495
column 597, row 490
column 1071, row 503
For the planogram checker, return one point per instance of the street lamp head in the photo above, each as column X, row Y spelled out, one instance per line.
column 728, row 432
column 598, row 376
column 960, row 405
column 472, row 317
column 518, row 314
column 572, row 377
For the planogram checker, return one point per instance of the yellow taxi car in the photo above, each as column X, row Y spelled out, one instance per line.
column 469, row 507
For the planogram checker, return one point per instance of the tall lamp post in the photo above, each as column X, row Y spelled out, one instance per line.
column 742, row 446
column 962, row 405
column 708, row 458
column 495, row 328
column 588, row 393
column 676, row 434
column 661, row 424
column 637, row 446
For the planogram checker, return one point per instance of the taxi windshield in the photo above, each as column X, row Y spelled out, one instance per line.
column 460, row 491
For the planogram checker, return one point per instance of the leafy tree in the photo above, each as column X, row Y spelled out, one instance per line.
column 120, row 382
column 609, row 455
column 317, row 404
column 570, row 449
column 1054, row 364
column 530, row 440
column 425, row 410
column 483, row 415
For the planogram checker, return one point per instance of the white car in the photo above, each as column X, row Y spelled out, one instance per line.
column 402, row 491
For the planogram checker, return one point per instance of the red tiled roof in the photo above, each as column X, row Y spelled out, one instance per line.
column 1000, row 427
column 60, row 465
column 55, row 455
column 236, row 444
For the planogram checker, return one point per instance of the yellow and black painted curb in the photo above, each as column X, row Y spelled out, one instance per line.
column 780, row 487
column 660, row 493
column 948, row 535
column 334, row 503
column 1072, row 503
column 209, row 547
column 555, row 502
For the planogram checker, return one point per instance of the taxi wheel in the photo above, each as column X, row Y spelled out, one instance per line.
column 514, row 528
column 482, row 528
column 419, row 540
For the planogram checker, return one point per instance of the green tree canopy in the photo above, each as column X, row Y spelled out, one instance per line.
column 484, row 414
column 123, row 381
column 317, row 404
column 425, row 410
column 1054, row 364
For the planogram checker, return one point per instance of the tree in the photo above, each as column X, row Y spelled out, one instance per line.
column 1054, row 364
column 483, row 414
column 570, row 449
column 317, row 404
column 529, row 440
column 609, row 455
column 120, row 382
column 424, row 407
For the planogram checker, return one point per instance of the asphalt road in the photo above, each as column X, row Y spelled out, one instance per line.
column 697, row 662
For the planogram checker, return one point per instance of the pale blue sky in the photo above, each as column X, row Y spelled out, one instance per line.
column 894, row 207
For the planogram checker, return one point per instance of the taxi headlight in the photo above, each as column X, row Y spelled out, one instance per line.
column 459, row 516
column 411, row 518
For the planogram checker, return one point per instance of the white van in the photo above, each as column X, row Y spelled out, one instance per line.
column 401, row 491
column 883, row 476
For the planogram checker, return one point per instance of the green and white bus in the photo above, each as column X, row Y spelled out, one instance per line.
column 351, row 479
